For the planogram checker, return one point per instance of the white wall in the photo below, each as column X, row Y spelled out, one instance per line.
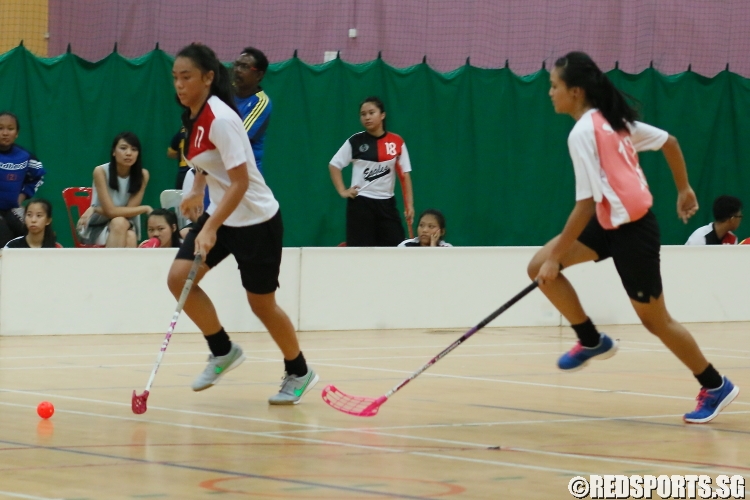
column 366, row 288
column 68, row 291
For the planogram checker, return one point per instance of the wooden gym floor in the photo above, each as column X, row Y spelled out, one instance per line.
column 494, row 419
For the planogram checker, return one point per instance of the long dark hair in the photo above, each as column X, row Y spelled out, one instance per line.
column 171, row 219
column 50, row 238
column 136, row 171
column 205, row 60
column 577, row 69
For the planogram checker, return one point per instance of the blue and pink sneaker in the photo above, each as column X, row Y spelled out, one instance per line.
column 711, row 402
column 579, row 356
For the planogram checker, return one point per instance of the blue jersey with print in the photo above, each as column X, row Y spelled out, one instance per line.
column 20, row 172
column 255, row 112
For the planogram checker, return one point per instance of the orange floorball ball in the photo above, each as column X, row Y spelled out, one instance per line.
column 45, row 409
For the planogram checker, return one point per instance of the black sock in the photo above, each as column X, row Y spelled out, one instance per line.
column 297, row 366
column 710, row 378
column 219, row 343
column 587, row 333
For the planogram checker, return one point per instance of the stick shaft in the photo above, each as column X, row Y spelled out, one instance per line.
column 404, row 196
column 465, row 336
column 180, row 304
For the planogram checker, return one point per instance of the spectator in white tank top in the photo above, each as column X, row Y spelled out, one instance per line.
column 112, row 219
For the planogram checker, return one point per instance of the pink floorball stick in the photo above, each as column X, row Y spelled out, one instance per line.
column 139, row 400
column 368, row 407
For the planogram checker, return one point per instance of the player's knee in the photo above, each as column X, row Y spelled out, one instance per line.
column 175, row 281
column 119, row 225
column 262, row 307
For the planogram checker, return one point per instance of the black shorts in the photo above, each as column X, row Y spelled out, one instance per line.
column 256, row 248
column 373, row 223
column 634, row 248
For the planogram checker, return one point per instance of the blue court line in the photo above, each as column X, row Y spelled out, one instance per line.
column 222, row 472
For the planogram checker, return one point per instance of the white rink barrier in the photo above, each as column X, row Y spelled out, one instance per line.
column 72, row 291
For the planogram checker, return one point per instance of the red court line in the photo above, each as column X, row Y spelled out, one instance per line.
column 450, row 489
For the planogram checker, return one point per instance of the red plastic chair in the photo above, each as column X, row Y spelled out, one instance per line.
column 79, row 197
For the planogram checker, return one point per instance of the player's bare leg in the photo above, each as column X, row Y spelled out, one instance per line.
column 299, row 378
column 559, row 291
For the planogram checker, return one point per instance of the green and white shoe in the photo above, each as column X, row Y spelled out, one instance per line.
column 218, row 366
column 293, row 388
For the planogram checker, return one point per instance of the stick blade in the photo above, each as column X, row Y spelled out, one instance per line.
column 139, row 403
column 352, row 405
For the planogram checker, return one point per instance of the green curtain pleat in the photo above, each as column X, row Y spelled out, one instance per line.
column 486, row 146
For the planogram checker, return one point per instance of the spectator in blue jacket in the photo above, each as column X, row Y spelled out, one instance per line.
column 252, row 102
column 21, row 174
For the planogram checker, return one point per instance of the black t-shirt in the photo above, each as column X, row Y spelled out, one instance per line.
column 21, row 242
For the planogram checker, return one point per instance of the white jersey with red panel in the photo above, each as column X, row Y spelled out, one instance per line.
column 706, row 235
column 607, row 169
column 375, row 162
column 218, row 143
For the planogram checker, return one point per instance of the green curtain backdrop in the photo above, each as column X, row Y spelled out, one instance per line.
column 486, row 146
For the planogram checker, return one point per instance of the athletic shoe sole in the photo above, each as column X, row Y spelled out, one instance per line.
column 731, row 397
column 600, row 357
column 312, row 383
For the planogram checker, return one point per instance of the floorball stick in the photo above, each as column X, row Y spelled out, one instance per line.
column 368, row 407
column 139, row 400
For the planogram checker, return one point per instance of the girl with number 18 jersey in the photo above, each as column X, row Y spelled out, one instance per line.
column 377, row 158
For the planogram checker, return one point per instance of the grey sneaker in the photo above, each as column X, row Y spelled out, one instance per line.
column 293, row 388
column 218, row 366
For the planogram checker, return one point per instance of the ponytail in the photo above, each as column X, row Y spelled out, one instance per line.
column 577, row 69
column 205, row 59
column 50, row 238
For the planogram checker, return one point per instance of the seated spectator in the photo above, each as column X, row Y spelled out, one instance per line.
column 38, row 220
column 112, row 219
column 21, row 174
column 162, row 230
column 727, row 218
column 430, row 231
